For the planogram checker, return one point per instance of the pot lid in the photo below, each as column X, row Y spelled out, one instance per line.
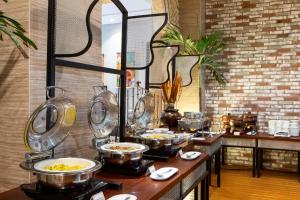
column 50, row 123
column 103, row 112
column 144, row 109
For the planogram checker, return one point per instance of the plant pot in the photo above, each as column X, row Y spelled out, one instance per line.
column 170, row 116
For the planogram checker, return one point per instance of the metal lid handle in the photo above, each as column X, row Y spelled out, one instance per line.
column 54, row 87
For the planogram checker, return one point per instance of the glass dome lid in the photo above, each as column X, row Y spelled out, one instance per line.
column 50, row 123
column 103, row 112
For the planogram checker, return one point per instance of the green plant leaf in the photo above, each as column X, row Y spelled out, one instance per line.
column 14, row 30
column 208, row 47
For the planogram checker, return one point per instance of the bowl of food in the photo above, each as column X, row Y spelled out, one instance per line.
column 122, row 152
column 63, row 173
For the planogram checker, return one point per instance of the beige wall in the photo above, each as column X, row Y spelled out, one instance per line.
column 14, row 93
column 191, row 22
column 22, row 89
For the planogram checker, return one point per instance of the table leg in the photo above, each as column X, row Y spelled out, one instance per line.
column 196, row 192
column 215, row 157
column 261, row 158
column 223, row 155
column 208, row 165
column 203, row 182
column 299, row 164
column 254, row 162
column 218, row 167
column 207, row 189
column 258, row 162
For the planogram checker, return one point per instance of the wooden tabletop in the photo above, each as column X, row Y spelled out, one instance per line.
column 143, row 187
column 245, row 136
column 208, row 140
column 264, row 136
column 147, row 189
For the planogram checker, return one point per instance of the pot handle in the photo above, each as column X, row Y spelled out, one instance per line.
column 54, row 87
column 99, row 88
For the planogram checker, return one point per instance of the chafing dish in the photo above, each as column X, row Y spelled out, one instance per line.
column 120, row 153
column 46, row 128
column 157, row 140
column 63, row 179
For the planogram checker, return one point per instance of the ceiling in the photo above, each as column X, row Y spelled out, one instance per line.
column 112, row 15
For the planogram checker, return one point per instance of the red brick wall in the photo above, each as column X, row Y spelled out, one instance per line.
column 262, row 62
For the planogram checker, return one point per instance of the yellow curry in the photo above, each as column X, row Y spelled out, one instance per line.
column 63, row 167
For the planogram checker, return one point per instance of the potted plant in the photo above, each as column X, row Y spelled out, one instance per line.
column 14, row 30
column 208, row 47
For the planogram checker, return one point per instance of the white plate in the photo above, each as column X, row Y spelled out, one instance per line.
column 164, row 176
column 122, row 197
column 193, row 155
column 199, row 138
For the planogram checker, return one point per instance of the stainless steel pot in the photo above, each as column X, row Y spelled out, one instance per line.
column 122, row 156
column 62, row 179
column 157, row 143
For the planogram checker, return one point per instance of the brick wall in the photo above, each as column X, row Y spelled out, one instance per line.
column 261, row 62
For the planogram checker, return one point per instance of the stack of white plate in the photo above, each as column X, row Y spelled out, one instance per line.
column 276, row 126
column 294, row 128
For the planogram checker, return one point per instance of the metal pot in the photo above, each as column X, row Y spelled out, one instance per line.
column 157, row 143
column 62, row 179
column 249, row 118
column 120, row 157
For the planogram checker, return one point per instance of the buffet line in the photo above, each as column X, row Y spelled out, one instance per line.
column 154, row 163
column 165, row 162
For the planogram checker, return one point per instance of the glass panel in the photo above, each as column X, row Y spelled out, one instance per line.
column 184, row 65
column 141, row 32
column 161, row 67
column 72, row 32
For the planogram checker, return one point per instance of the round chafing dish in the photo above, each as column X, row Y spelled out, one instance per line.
column 47, row 127
column 120, row 153
column 157, row 140
column 63, row 179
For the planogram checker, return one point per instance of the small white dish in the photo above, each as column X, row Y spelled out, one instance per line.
column 163, row 173
column 123, row 197
column 190, row 155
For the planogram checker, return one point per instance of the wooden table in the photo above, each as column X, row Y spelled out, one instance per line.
column 190, row 174
column 211, row 145
column 266, row 141
column 243, row 141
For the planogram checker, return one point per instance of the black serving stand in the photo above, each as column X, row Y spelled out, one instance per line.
column 130, row 168
column 37, row 191
column 161, row 154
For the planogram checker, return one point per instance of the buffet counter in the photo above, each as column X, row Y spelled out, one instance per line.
column 189, row 175
column 266, row 141
column 258, row 143
column 241, row 141
column 212, row 146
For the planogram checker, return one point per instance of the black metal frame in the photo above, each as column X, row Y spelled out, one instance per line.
column 53, row 62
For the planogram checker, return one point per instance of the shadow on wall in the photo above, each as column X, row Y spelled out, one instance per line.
column 6, row 71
